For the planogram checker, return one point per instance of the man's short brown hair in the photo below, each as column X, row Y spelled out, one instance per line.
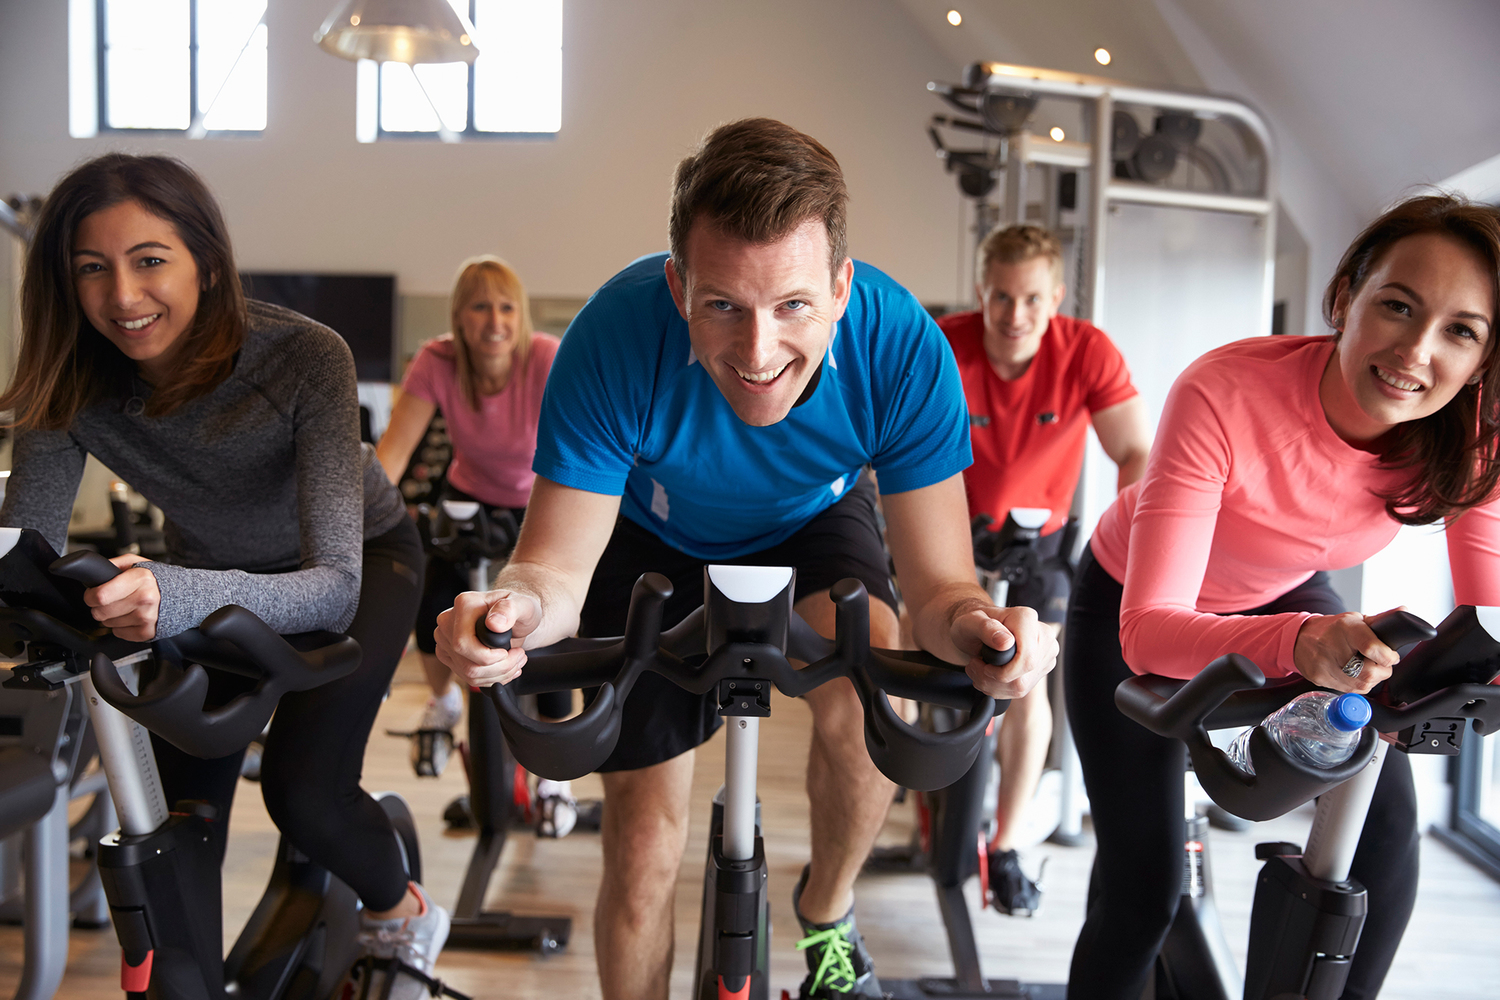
column 757, row 180
column 1016, row 245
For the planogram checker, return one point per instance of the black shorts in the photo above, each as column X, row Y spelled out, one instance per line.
column 1046, row 593
column 660, row 719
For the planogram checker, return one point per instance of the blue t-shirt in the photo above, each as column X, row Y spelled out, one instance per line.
column 629, row 412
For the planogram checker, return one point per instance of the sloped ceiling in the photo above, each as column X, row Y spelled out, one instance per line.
column 1059, row 34
column 1382, row 94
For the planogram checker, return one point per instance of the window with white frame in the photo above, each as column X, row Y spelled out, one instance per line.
column 514, row 86
column 192, row 66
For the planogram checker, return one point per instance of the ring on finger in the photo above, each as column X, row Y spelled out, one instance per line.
column 1355, row 666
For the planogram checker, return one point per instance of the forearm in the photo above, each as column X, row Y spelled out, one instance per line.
column 407, row 427
column 320, row 597
column 557, row 595
column 932, row 621
column 1179, row 641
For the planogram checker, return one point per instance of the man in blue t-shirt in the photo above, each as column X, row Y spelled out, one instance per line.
column 718, row 405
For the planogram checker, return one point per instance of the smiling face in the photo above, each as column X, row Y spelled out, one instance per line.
column 489, row 321
column 760, row 316
column 1017, row 300
column 1415, row 333
column 137, row 283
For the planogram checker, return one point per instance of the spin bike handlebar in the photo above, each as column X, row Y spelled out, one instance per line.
column 231, row 639
column 742, row 668
column 1232, row 691
column 472, row 532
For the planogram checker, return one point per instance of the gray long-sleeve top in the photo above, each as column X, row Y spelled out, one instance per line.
column 267, row 491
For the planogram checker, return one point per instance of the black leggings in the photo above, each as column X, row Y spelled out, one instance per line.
column 1134, row 781
column 316, row 748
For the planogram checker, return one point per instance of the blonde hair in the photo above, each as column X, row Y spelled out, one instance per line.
column 1016, row 245
column 487, row 273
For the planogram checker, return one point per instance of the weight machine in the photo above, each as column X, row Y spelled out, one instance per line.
column 1169, row 194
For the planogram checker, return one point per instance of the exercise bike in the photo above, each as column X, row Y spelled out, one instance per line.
column 1007, row 560
column 471, row 539
column 738, row 646
column 1307, row 915
column 45, row 749
column 950, row 843
column 46, row 753
column 160, row 870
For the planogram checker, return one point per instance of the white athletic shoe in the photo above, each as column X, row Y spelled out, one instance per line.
column 391, row 951
column 443, row 712
column 556, row 808
column 432, row 741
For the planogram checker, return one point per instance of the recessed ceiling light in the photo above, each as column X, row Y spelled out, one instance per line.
column 955, row 18
column 1102, row 56
column 1057, row 134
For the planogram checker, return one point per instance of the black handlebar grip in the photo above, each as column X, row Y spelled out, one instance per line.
column 88, row 568
column 997, row 657
column 1400, row 628
column 491, row 638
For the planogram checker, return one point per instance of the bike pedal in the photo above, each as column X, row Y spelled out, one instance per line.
column 1277, row 849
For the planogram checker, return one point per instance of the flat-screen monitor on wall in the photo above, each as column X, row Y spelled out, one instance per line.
column 361, row 308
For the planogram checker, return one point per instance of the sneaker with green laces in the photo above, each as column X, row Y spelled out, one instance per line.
column 838, row 965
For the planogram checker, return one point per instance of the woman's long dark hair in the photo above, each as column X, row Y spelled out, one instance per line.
column 1452, row 454
column 64, row 364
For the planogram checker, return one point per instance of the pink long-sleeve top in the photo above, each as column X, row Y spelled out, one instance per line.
column 1249, row 492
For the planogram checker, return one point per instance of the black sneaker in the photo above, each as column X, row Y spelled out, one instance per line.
column 838, row 965
column 1011, row 892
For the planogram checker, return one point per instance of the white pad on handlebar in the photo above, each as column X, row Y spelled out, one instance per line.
column 1489, row 618
column 10, row 536
column 1035, row 518
column 461, row 510
column 750, row 584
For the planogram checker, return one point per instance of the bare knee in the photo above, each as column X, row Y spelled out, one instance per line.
column 645, row 826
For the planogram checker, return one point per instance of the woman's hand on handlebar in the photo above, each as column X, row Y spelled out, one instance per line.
column 1001, row 628
column 1325, row 643
column 129, row 604
column 475, row 663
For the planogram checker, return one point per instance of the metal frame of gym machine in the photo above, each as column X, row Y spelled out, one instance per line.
column 1002, row 97
column 47, row 734
column 1000, row 102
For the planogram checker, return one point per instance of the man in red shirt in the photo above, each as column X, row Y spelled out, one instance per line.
column 1034, row 381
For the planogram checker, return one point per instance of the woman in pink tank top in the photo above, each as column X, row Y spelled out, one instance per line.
column 486, row 377
column 1278, row 459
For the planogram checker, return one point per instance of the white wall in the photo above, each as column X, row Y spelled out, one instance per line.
column 642, row 82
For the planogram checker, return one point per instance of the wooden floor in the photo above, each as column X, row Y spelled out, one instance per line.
column 1450, row 949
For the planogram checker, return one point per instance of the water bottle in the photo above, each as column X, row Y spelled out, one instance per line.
column 1319, row 728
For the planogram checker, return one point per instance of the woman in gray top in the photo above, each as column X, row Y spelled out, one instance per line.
column 239, row 420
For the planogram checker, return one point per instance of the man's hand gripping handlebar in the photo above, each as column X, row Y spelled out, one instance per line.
column 743, row 668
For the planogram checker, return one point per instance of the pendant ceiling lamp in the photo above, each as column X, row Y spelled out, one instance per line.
column 404, row 31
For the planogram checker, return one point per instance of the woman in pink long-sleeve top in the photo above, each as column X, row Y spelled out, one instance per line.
column 1277, row 459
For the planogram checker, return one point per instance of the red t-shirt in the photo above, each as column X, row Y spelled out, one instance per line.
column 1029, row 434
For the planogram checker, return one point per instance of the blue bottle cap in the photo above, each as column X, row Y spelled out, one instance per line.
column 1349, row 712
